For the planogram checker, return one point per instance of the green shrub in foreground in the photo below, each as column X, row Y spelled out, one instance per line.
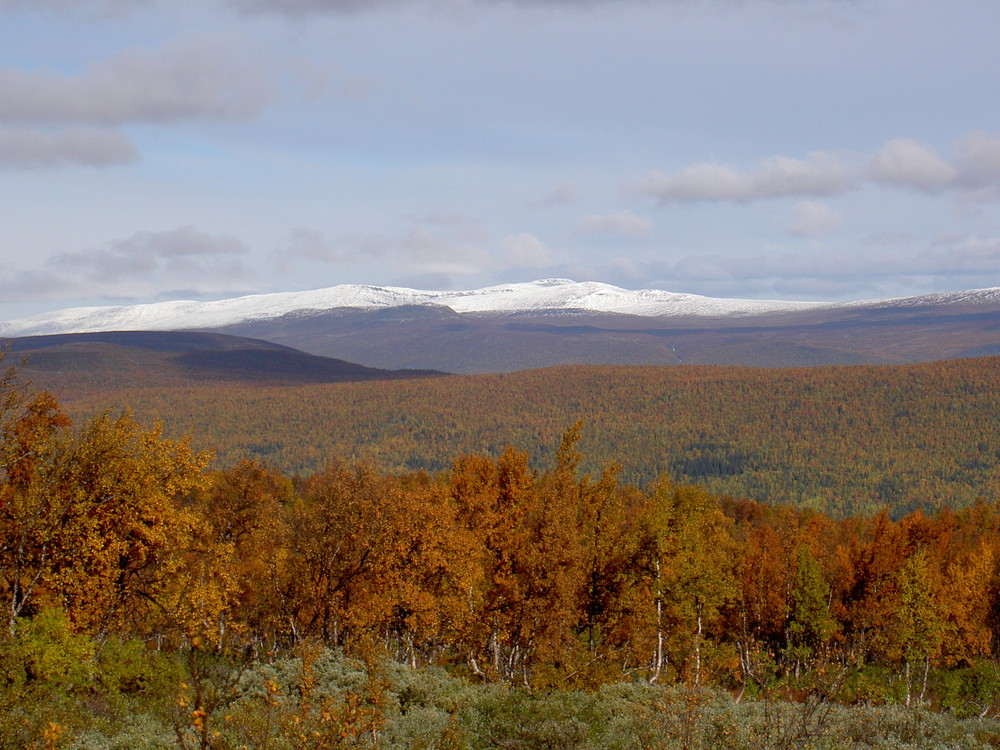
column 125, row 696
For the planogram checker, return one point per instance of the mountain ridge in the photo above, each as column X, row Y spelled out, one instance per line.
column 543, row 294
column 549, row 295
column 553, row 322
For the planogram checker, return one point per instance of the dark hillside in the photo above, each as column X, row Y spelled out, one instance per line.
column 123, row 359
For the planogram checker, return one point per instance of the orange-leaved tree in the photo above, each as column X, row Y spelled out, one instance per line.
column 118, row 559
column 31, row 512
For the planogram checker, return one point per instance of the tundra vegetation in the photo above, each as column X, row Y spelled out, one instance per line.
column 151, row 602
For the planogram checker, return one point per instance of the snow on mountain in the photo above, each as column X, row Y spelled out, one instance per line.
column 506, row 299
column 971, row 297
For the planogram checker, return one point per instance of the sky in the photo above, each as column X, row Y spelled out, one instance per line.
column 771, row 149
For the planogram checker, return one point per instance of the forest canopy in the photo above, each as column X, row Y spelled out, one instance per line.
column 557, row 578
column 842, row 440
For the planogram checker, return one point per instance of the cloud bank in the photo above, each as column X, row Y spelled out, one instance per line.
column 818, row 174
column 185, row 258
column 883, row 268
column 30, row 149
column 52, row 119
column 901, row 163
column 189, row 79
column 904, row 162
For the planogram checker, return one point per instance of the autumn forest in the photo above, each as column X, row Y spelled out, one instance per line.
column 506, row 599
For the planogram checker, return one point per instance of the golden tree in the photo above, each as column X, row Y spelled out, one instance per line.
column 117, row 559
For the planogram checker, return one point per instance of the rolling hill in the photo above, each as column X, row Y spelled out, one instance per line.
column 73, row 363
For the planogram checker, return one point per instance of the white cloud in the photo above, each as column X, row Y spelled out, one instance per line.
column 443, row 219
column 430, row 253
column 453, row 245
column 904, row 162
column 311, row 244
column 972, row 254
column 812, row 218
column 900, row 163
column 32, row 149
column 624, row 223
column 525, row 250
column 778, row 176
column 558, row 196
column 979, row 159
column 145, row 264
column 184, row 241
column 50, row 119
column 877, row 271
column 193, row 78
column 181, row 254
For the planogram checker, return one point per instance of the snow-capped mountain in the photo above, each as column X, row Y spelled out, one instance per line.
column 556, row 322
column 507, row 299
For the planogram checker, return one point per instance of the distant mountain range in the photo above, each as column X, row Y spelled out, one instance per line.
column 551, row 322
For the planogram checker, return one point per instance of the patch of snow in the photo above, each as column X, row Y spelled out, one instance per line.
column 990, row 295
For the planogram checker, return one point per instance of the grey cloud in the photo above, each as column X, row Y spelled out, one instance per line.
column 145, row 264
column 558, row 196
column 443, row 218
column 525, row 250
column 950, row 262
column 449, row 249
column 98, row 8
column 972, row 254
column 189, row 79
column 900, row 163
column 31, row 149
column 285, row 7
column 304, row 7
column 623, row 223
column 974, row 170
column 36, row 286
column 979, row 159
column 310, row 7
column 432, row 253
column 812, row 218
column 184, row 253
column 299, row 7
column 310, row 244
column 459, row 228
column 184, row 241
column 778, row 176
column 904, row 162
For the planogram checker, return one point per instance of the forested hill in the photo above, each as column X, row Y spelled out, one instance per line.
column 122, row 359
column 845, row 440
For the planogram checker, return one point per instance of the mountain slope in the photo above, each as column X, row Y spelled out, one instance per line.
column 446, row 340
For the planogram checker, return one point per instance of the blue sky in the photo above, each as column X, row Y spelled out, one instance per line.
column 785, row 149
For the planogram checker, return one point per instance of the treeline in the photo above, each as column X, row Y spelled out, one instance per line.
column 845, row 441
